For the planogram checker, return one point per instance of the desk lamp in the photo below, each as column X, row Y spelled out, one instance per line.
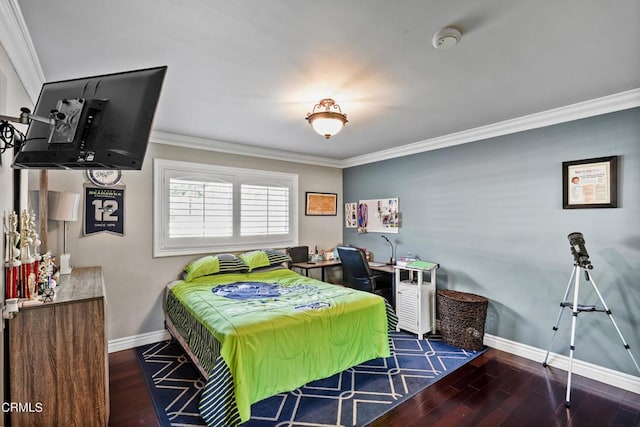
column 392, row 259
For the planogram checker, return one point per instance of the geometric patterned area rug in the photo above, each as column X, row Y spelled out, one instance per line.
column 354, row 397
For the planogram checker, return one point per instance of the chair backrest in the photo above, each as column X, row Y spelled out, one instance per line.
column 299, row 253
column 356, row 268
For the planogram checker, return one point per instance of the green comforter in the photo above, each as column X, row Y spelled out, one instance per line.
column 279, row 330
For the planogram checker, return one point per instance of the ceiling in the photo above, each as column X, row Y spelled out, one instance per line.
column 247, row 72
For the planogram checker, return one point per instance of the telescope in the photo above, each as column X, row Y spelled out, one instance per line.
column 579, row 251
column 581, row 256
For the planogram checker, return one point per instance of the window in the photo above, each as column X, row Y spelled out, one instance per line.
column 202, row 208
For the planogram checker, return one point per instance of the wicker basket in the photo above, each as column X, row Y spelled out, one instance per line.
column 462, row 318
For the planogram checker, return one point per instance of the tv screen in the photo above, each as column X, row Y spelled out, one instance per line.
column 100, row 122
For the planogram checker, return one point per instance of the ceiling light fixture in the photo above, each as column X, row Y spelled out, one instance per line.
column 325, row 121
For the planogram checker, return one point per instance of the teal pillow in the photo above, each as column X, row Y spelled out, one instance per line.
column 201, row 267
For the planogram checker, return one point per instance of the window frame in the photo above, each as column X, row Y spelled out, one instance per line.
column 164, row 170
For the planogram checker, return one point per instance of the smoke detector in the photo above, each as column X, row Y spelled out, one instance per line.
column 446, row 38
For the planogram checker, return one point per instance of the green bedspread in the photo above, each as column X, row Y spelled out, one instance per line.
column 279, row 330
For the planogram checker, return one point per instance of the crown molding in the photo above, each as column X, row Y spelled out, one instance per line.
column 581, row 110
column 240, row 149
column 16, row 40
column 595, row 107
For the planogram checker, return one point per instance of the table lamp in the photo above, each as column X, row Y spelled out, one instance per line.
column 63, row 207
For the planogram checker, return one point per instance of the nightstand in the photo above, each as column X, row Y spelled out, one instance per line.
column 416, row 300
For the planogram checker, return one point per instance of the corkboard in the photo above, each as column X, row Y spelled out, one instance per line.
column 379, row 215
column 321, row 204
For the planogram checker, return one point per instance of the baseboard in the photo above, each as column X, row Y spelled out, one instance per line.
column 133, row 341
column 585, row 369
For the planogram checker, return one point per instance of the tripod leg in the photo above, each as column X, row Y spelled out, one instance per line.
column 555, row 327
column 572, row 347
column 606, row 309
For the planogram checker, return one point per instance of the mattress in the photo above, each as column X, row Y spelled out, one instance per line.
column 266, row 332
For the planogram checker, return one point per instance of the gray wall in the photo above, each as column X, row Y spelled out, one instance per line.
column 134, row 280
column 490, row 212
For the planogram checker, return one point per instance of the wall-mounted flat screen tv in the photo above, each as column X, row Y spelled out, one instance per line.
column 99, row 122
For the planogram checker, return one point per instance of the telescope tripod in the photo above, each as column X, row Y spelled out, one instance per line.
column 577, row 308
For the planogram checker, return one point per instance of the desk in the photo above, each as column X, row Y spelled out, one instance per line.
column 384, row 268
column 306, row 266
column 378, row 266
column 388, row 269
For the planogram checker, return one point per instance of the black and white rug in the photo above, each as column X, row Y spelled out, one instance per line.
column 353, row 397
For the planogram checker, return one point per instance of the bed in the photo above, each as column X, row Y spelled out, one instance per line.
column 255, row 330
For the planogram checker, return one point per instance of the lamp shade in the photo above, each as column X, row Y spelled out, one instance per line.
column 326, row 124
column 325, row 121
column 63, row 206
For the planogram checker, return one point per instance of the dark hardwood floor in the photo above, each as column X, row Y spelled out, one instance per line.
column 128, row 395
column 495, row 389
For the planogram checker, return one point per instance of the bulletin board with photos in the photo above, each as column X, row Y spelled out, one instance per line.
column 374, row 215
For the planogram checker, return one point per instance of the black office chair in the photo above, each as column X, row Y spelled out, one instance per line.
column 298, row 254
column 357, row 273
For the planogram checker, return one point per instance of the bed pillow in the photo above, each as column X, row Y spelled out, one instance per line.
column 230, row 263
column 264, row 258
column 201, row 267
column 276, row 257
column 208, row 265
column 255, row 259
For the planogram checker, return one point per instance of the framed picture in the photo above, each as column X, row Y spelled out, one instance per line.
column 351, row 215
column 322, row 204
column 590, row 183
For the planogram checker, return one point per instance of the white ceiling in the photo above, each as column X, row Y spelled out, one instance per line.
column 248, row 71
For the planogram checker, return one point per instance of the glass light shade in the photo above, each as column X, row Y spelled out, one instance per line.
column 326, row 124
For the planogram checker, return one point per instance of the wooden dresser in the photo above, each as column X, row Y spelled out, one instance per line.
column 58, row 356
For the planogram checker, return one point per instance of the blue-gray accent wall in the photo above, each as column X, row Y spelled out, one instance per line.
column 490, row 212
